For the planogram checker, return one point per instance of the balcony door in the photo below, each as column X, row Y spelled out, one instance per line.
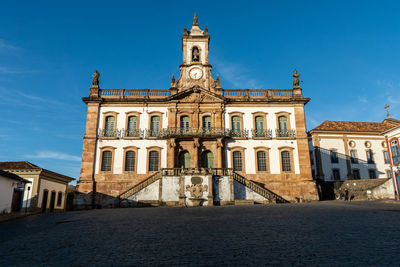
column 184, row 160
column 185, row 124
column 207, row 159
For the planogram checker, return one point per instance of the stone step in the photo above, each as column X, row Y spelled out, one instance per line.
column 244, row 202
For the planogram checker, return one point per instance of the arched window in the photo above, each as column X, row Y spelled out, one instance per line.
column 395, row 149
column 207, row 159
column 59, row 199
column 236, row 125
column 184, row 160
column 155, row 126
column 195, row 54
column 207, row 123
column 132, row 126
column 259, row 122
column 237, row 161
column 106, row 161
column 285, row 159
column 261, row 161
column 130, row 157
column 153, row 161
column 185, row 124
column 283, row 126
column 110, row 126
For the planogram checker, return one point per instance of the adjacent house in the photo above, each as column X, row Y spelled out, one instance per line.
column 46, row 191
column 392, row 137
column 11, row 192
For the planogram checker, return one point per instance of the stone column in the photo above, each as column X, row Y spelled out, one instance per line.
column 219, row 158
column 303, row 149
column 171, row 153
column 196, row 146
column 347, row 153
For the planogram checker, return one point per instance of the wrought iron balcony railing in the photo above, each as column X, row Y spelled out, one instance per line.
column 109, row 133
column 285, row 134
column 262, row 134
column 193, row 131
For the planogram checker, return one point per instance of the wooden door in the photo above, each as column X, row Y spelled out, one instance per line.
column 16, row 202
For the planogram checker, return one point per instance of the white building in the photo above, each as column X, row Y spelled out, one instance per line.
column 11, row 192
column 392, row 137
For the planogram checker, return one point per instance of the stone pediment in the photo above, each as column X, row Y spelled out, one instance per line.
column 197, row 95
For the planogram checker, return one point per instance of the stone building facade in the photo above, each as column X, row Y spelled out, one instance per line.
column 196, row 127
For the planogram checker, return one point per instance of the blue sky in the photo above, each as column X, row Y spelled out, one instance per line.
column 347, row 52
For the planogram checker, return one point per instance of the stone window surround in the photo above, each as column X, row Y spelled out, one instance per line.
column 383, row 154
column 205, row 114
column 241, row 149
column 132, row 113
column 370, row 170
column 333, row 176
column 107, row 114
column 134, row 149
column 236, row 113
column 266, row 150
column 155, row 113
column 390, row 144
column 107, row 148
column 284, row 114
column 149, row 149
column 185, row 114
column 59, row 203
column 260, row 114
column 355, row 158
column 359, row 172
column 290, row 149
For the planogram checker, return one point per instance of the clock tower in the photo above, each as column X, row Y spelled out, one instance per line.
column 195, row 69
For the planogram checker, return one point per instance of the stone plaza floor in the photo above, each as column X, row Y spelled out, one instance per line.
column 326, row 233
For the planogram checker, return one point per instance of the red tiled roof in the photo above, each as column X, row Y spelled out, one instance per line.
column 18, row 165
column 353, row 126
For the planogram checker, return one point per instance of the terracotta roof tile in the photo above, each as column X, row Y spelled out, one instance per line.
column 352, row 126
column 18, row 165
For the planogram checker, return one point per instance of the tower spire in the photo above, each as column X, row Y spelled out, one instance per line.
column 195, row 20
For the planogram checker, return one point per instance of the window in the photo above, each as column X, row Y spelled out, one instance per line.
column 286, row 164
column 106, row 161
column 389, row 174
column 185, row 124
column 184, row 160
column 153, row 161
column 395, row 149
column 59, row 199
column 206, row 123
column 372, row 174
column 370, row 158
column 195, row 54
column 336, row 174
column 312, row 157
column 237, row 161
column 132, row 126
column 283, row 126
column 259, row 123
column 356, row 174
column 386, row 157
column 334, row 156
column 110, row 126
column 261, row 161
column 353, row 157
column 207, row 159
column 130, row 157
column 236, row 125
column 155, row 126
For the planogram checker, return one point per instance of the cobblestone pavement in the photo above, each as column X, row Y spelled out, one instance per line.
column 325, row 233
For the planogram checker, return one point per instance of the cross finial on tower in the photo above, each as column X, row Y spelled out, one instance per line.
column 387, row 110
column 195, row 20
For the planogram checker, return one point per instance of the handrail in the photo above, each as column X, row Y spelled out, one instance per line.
column 137, row 187
column 268, row 194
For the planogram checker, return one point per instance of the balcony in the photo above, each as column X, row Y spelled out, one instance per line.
column 103, row 133
column 285, row 134
column 261, row 134
column 194, row 132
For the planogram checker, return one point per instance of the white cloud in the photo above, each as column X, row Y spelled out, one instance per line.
column 54, row 155
column 6, row 46
column 393, row 100
column 385, row 83
column 235, row 74
column 362, row 99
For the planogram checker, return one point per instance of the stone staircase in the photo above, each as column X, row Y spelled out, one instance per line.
column 268, row 194
column 137, row 187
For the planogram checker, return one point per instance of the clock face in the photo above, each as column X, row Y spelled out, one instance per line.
column 196, row 73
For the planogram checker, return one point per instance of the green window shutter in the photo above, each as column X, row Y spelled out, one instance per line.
column 236, row 123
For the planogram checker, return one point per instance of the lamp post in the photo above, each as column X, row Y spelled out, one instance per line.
column 27, row 197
